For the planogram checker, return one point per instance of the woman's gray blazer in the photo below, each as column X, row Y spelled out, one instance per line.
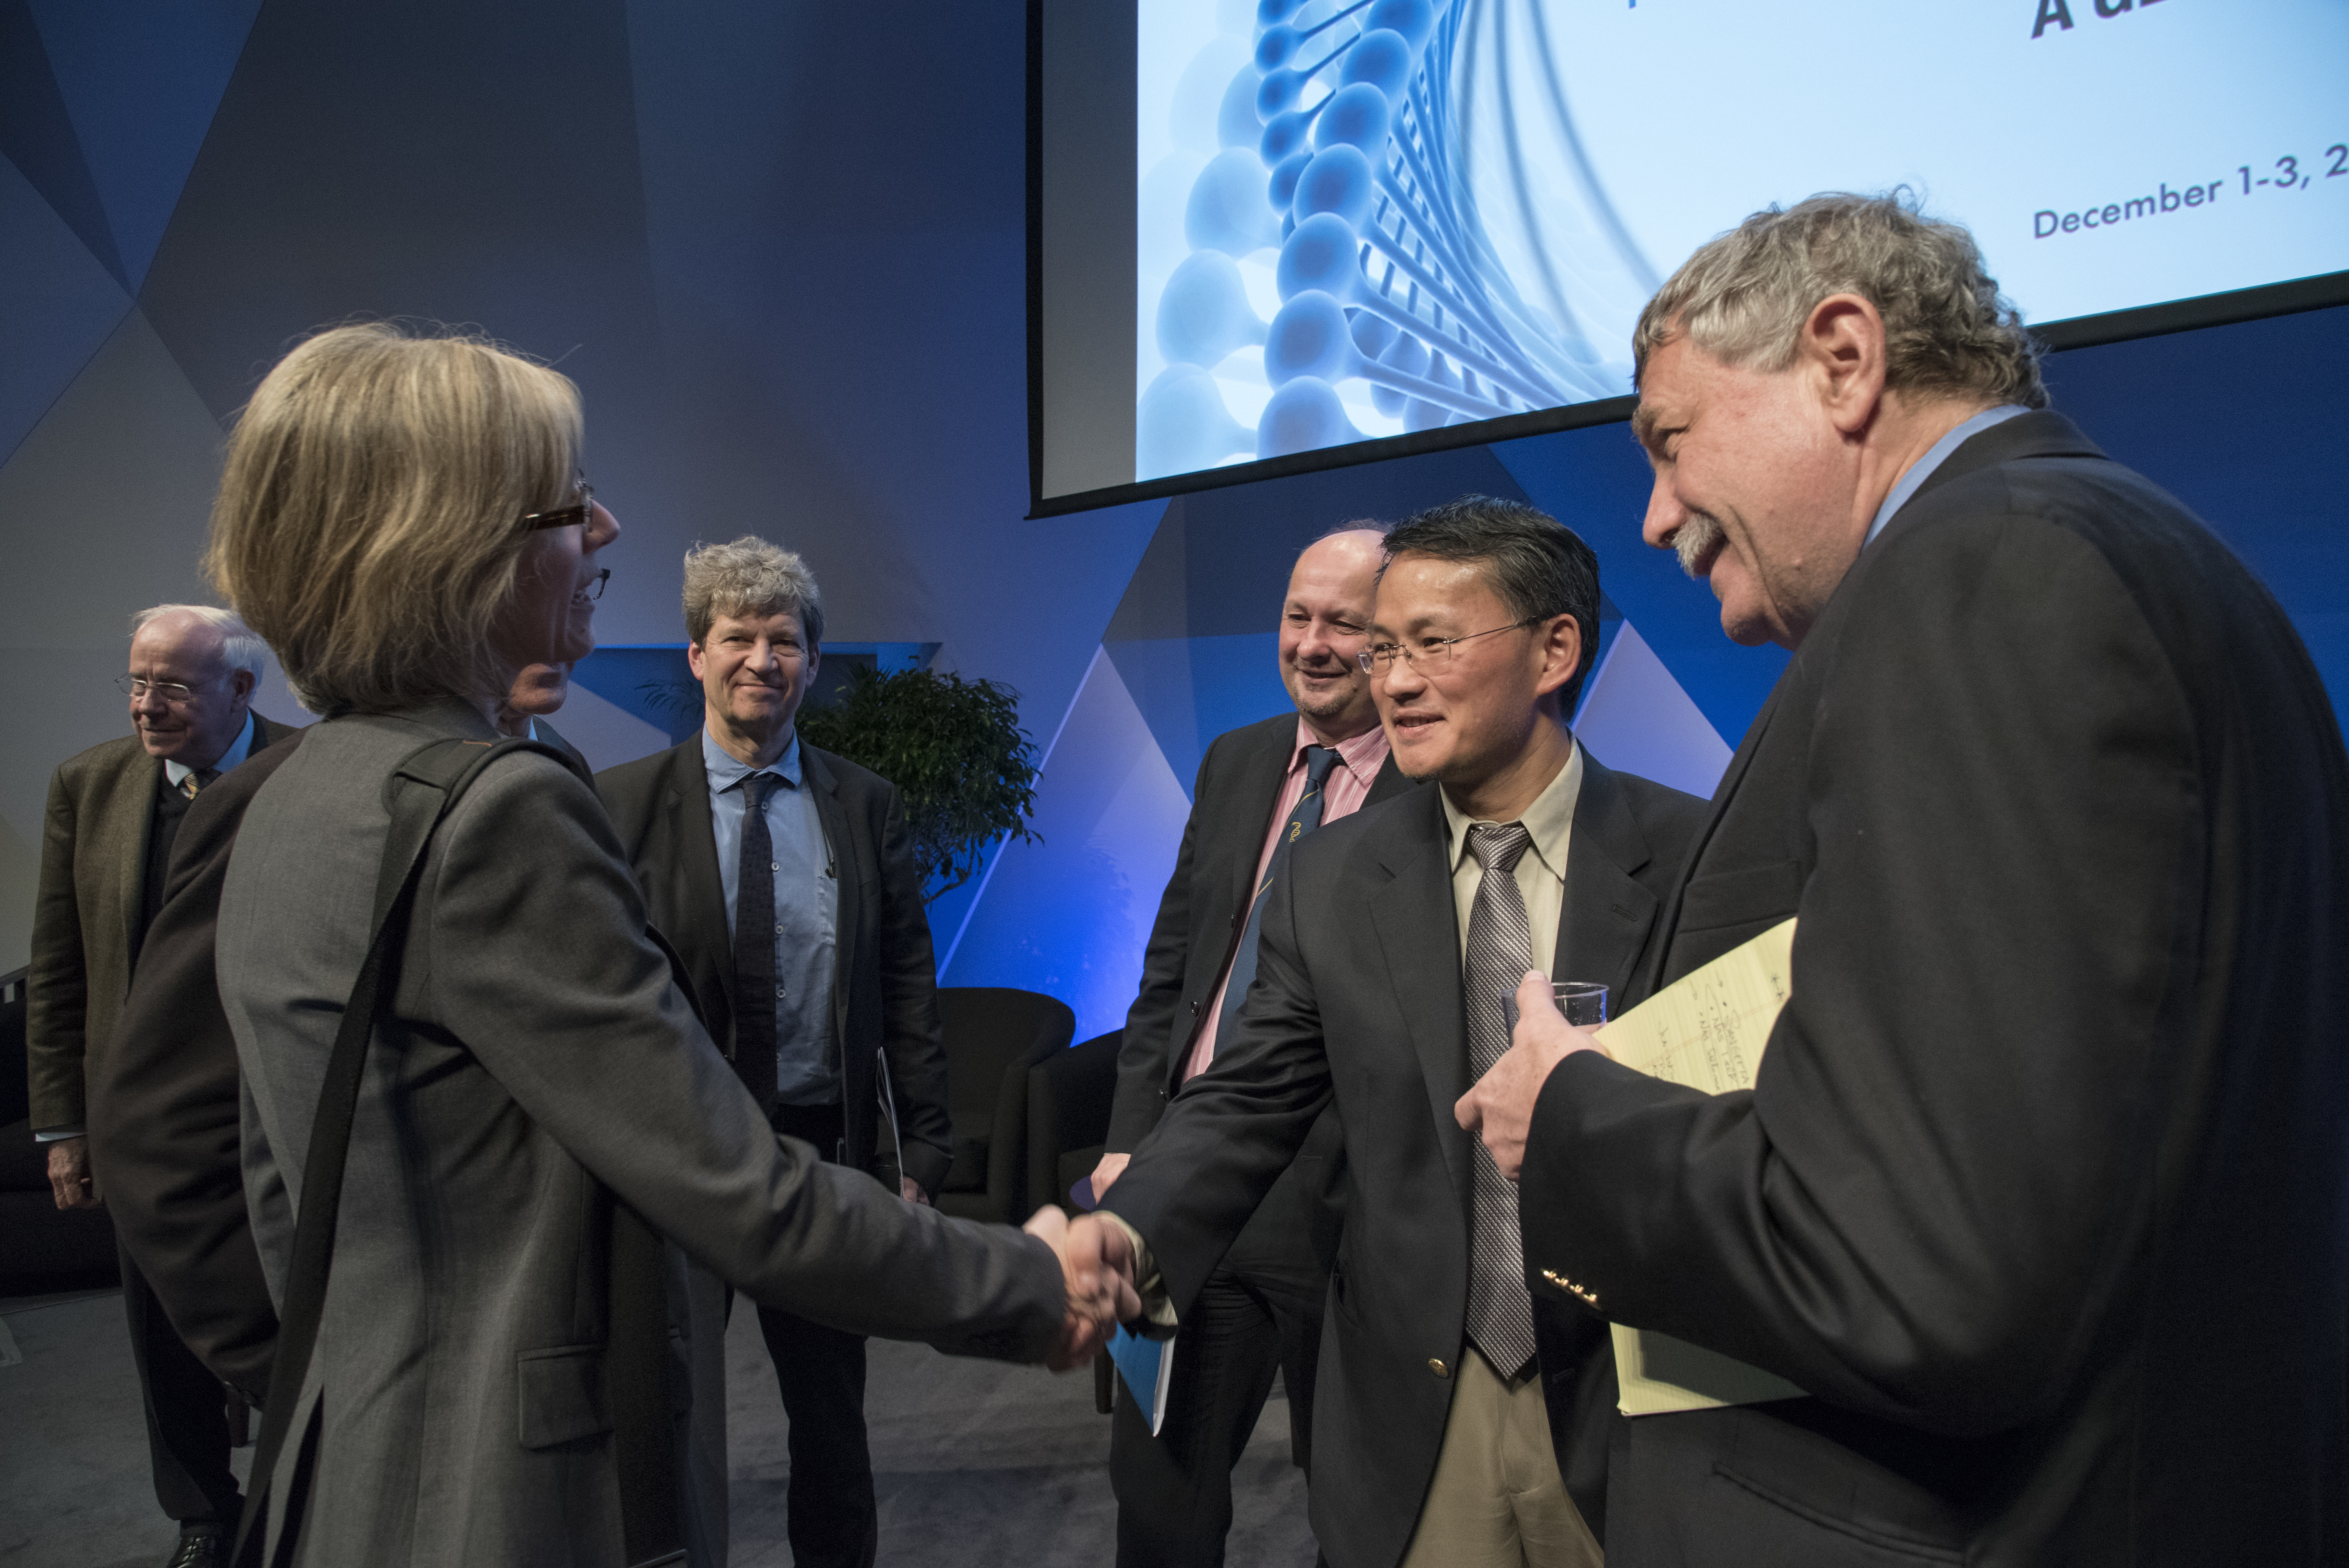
column 537, row 1066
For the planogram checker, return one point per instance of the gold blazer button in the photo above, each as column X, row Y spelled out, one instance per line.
column 1438, row 1367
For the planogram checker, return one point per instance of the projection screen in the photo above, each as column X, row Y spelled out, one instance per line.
column 1280, row 234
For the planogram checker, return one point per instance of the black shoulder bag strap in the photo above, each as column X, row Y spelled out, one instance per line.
column 420, row 792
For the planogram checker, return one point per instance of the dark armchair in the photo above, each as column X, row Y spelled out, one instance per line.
column 993, row 1036
column 1069, row 1097
column 42, row 1247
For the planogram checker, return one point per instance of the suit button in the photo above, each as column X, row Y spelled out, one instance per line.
column 1195, row 1009
column 1438, row 1367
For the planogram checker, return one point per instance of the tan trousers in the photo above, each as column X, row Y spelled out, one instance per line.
column 1496, row 1501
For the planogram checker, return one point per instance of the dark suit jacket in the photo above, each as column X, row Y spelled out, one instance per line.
column 1200, row 917
column 1358, row 1002
column 163, row 1099
column 2040, row 1189
column 542, row 730
column 885, row 987
column 86, row 916
column 164, row 1107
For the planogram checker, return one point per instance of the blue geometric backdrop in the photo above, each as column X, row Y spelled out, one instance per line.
column 781, row 251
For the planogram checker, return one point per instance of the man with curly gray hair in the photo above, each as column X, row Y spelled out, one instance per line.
column 1950, row 360
column 2037, row 1194
column 749, row 576
column 785, row 877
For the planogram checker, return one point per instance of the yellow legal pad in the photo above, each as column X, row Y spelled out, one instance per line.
column 1705, row 1030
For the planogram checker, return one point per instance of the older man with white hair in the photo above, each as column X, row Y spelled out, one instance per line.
column 113, row 813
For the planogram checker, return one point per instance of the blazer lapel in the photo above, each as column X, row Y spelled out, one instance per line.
column 1261, row 780
column 548, row 735
column 840, row 849
column 1606, row 914
column 125, row 821
column 1388, row 784
column 1660, row 957
column 1419, row 940
column 701, row 928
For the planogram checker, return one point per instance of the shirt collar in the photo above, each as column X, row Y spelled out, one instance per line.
column 1935, row 455
column 726, row 771
column 238, row 750
column 1363, row 756
column 1549, row 820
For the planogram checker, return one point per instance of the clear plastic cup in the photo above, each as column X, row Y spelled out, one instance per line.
column 1584, row 1002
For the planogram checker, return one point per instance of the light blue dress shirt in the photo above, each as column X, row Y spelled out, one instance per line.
column 807, row 914
column 1935, row 455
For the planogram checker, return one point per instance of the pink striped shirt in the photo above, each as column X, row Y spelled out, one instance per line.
column 1342, row 794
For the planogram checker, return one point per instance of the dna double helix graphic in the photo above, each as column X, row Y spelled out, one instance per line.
column 1354, row 144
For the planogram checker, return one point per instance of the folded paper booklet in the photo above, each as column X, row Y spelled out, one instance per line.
column 1705, row 1030
column 1145, row 1365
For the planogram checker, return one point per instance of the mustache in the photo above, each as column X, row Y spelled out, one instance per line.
column 1695, row 539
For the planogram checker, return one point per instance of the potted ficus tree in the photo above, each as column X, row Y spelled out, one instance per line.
column 955, row 752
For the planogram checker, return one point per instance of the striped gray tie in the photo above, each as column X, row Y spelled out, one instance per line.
column 1500, row 951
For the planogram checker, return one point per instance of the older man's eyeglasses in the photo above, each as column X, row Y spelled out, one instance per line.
column 175, row 693
column 1432, row 653
column 581, row 511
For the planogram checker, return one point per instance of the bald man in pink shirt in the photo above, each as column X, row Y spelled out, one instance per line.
column 1259, row 787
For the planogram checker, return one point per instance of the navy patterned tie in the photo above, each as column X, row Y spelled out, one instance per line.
column 756, row 990
column 1318, row 760
column 1500, row 951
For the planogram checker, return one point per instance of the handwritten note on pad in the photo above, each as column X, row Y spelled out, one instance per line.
column 1705, row 1030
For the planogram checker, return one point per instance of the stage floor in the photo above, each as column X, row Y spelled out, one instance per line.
column 975, row 1463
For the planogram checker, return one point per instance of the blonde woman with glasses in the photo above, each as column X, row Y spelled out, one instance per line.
column 402, row 519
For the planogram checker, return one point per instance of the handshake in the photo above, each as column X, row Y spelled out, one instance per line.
column 1097, row 1269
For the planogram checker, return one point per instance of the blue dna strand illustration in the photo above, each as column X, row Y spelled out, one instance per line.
column 1354, row 144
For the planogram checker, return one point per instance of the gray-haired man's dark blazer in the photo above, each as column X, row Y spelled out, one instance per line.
column 86, row 929
column 884, row 983
column 2041, row 1190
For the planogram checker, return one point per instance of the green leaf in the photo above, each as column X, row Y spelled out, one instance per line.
column 955, row 752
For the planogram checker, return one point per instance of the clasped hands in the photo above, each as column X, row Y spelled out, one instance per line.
column 1097, row 1265
column 1500, row 1108
column 1097, row 1269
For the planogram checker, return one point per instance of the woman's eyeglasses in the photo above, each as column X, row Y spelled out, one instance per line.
column 581, row 511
